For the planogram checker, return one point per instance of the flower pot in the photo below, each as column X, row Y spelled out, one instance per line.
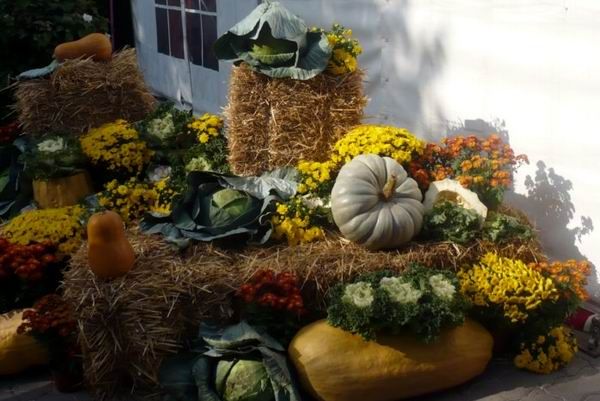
column 64, row 191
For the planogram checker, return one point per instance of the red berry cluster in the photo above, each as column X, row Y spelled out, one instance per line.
column 28, row 262
column 8, row 132
column 50, row 315
column 278, row 291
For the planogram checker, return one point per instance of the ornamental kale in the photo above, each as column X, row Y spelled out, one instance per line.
column 421, row 300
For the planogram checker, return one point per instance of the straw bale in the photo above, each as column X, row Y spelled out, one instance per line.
column 82, row 94
column 277, row 122
column 128, row 325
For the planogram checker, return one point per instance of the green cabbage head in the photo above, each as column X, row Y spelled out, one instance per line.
column 274, row 42
column 243, row 380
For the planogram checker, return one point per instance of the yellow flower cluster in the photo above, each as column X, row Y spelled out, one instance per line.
column 165, row 194
column 314, row 174
column 345, row 51
column 130, row 199
column 206, row 127
column 293, row 221
column 397, row 143
column 383, row 140
column 60, row 226
column 117, row 147
column 548, row 354
column 508, row 284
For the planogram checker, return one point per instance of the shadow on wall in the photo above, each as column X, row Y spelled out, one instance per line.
column 405, row 78
column 548, row 204
column 547, row 201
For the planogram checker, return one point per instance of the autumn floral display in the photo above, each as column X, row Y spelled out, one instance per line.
column 345, row 50
column 298, row 221
column 397, row 143
column 547, row 353
column 274, row 301
column 117, row 148
column 570, row 277
column 61, row 226
column 210, row 151
column 27, row 262
column 484, row 166
column 130, row 199
column 508, row 287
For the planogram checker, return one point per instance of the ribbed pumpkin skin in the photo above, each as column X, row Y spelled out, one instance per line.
column 334, row 365
column 18, row 351
column 363, row 211
column 95, row 45
column 110, row 254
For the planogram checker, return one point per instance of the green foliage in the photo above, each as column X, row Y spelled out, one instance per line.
column 276, row 43
column 500, row 227
column 31, row 29
column 214, row 152
column 422, row 301
column 230, row 364
column 15, row 186
column 201, row 215
column 42, row 164
column 448, row 221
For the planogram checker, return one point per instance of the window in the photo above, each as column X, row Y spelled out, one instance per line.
column 201, row 30
column 169, row 28
column 199, row 19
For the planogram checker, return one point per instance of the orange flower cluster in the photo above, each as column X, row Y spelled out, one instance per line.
column 482, row 165
column 570, row 276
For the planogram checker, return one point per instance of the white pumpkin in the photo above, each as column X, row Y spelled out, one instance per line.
column 452, row 190
column 375, row 203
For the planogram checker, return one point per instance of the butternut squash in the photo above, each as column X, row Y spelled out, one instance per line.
column 18, row 351
column 95, row 45
column 110, row 254
column 334, row 365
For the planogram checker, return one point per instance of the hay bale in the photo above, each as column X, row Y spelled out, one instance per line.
column 127, row 326
column 277, row 122
column 82, row 94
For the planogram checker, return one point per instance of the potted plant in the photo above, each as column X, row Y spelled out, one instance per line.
column 55, row 163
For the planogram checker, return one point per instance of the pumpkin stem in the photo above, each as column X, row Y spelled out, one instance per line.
column 388, row 188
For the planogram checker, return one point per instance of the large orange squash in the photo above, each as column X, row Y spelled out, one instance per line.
column 110, row 254
column 334, row 365
column 95, row 45
column 18, row 351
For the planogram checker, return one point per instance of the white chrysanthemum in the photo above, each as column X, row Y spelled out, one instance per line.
column 162, row 128
column 159, row 173
column 51, row 145
column 399, row 291
column 198, row 164
column 442, row 287
column 359, row 294
column 312, row 201
column 87, row 18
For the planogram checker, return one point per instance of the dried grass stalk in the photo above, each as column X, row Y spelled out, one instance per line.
column 127, row 326
column 276, row 122
column 82, row 94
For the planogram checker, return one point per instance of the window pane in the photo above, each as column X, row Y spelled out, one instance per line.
column 162, row 31
column 194, row 38
column 209, row 5
column 209, row 37
column 175, row 3
column 161, row 1
column 176, row 34
column 192, row 4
